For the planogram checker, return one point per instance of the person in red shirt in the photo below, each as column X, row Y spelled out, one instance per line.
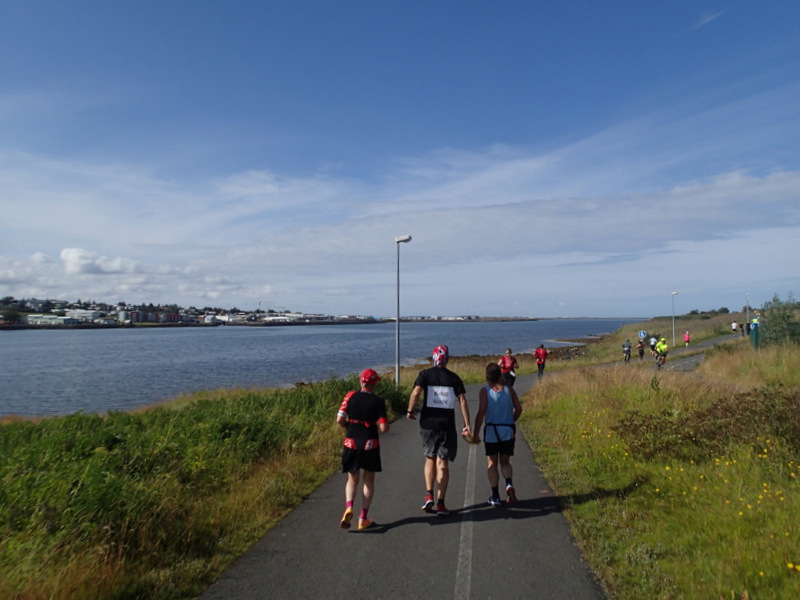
column 363, row 415
column 508, row 366
column 541, row 356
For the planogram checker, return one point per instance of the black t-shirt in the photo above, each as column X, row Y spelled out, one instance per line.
column 440, row 391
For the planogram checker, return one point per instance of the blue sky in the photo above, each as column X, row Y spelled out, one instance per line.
column 549, row 159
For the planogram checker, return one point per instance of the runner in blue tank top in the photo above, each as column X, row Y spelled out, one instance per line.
column 500, row 407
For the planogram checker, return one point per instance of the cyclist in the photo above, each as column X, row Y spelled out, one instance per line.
column 626, row 351
column 661, row 351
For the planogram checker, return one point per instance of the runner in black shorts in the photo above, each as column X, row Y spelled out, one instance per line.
column 500, row 406
column 440, row 390
column 363, row 415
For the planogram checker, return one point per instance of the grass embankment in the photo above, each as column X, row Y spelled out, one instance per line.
column 678, row 485
column 156, row 504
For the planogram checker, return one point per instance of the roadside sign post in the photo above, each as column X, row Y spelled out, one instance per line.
column 754, row 335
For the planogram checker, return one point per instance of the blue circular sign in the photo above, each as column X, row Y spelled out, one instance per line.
column 642, row 334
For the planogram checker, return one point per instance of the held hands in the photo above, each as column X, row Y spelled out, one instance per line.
column 466, row 433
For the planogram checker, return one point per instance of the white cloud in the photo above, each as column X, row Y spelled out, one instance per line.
column 77, row 260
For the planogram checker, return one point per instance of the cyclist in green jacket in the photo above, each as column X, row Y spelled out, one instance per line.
column 661, row 350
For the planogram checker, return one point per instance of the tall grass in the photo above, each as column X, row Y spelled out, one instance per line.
column 679, row 485
column 155, row 504
column 771, row 365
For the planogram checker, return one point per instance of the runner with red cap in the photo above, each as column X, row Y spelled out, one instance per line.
column 439, row 388
column 362, row 415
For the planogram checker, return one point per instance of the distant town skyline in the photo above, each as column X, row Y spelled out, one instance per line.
column 48, row 304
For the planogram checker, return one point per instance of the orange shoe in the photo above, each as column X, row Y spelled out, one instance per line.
column 346, row 518
column 365, row 524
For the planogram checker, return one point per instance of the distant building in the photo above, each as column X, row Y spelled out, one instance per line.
column 49, row 320
column 83, row 315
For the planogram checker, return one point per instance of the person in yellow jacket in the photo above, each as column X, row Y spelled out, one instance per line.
column 661, row 350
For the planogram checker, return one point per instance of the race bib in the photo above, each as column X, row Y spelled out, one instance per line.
column 440, row 396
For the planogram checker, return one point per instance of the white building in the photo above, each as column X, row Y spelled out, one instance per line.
column 83, row 315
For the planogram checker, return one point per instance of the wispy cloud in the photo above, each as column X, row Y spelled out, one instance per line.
column 706, row 18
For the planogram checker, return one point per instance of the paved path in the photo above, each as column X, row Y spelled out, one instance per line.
column 521, row 551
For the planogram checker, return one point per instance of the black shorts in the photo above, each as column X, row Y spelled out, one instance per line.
column 493, row 448
column 353, row 460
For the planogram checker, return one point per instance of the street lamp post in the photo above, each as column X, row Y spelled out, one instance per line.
column 747, row 308
column 400, row 239
column 673, row 318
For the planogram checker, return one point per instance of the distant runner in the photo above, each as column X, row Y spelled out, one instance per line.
column 508, row 366
column 541, row 356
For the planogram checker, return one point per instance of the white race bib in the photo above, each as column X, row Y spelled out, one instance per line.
column 440, row 396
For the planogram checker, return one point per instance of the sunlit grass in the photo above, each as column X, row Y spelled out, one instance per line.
column 747, row 367
column 679, row 485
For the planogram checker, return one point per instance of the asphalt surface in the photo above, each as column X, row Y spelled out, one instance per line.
column 523, row 550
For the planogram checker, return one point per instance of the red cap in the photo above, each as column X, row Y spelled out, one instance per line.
column 369, row 377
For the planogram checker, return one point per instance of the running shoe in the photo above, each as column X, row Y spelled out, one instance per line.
column 441, row 510
column 495, row 501
column 346, row 518
column 512, row 494
column 428, row 504
column 365, row 523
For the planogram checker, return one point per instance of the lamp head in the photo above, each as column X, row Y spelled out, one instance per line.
column 401, row 239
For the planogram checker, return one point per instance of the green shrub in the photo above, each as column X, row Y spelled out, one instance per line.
column 707, row 432
column 780, row 321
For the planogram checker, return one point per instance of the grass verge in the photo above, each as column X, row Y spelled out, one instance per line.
column 679, row 485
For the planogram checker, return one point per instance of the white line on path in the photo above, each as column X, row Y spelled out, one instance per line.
column 464, row 569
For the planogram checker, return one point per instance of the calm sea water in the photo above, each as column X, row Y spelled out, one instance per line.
column 47, row 372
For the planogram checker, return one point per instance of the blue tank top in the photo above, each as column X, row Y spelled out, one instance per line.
column 499, row 416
